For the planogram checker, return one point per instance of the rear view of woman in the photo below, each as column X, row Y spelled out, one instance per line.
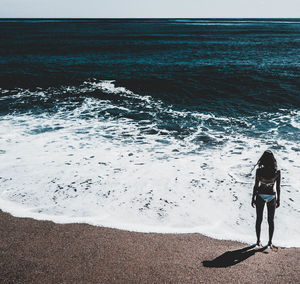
column 267, row 175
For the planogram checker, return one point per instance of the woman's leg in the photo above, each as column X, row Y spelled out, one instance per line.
column 260, row 203
column 271, row 205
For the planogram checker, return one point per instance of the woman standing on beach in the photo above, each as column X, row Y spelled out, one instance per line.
column 267, row 175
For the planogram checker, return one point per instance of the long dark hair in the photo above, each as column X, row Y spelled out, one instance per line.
column 267, row 164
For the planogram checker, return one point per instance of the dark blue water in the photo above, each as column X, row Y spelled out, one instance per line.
column 227, row 66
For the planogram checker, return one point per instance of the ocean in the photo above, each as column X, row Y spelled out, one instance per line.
column 150, row 125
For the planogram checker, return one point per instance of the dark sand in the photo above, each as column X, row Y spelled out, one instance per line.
column 44, row 252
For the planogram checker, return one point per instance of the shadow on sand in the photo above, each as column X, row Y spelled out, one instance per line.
column 230, row 258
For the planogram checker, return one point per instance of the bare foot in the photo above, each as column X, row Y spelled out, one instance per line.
column 272, row 247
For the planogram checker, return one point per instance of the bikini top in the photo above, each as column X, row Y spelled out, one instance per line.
column 268, row 183
column 267, row 188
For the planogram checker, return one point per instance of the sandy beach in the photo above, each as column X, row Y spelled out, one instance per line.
column 44, row 252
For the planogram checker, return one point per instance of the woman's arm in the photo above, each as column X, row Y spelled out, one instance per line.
column 278, row 189
column 255, row 189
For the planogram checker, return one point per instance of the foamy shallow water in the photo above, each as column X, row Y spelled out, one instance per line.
column 77, row 163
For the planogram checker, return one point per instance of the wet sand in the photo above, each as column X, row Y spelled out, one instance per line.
column 44, row 252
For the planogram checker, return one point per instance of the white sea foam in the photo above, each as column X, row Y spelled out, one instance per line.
column 65, row 167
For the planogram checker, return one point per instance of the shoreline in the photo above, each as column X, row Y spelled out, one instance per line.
column 45, row 252
column 130, row 228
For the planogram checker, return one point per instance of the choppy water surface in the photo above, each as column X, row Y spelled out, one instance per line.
column 149, row 125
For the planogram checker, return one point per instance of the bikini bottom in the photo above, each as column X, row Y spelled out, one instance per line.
column 267, row 197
